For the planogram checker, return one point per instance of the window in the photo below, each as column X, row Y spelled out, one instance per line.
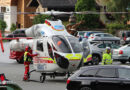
column 114, row 46
column 124, row 73
column 39, row 45
column 98, row 35
column 108, row 35
column 107, row 73
column 102, row 46
column 3, row 9
column 89, row 73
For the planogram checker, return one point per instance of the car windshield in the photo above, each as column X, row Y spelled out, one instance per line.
column 61, row 44
column 76, row 46
column 124, row 73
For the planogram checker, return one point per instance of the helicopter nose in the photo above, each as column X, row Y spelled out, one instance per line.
column 62, row 61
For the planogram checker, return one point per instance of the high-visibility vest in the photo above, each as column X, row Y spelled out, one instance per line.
column 26, row 57
column 107, row 59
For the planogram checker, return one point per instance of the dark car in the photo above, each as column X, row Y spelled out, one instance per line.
column 107, row 77
column 6, row 84
column 17, row 33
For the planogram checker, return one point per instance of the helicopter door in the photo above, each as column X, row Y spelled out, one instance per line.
column 50, row 51
column 39, row 47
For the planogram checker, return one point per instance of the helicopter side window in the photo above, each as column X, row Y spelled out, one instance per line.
column 39, row 46
column 76, row 46
column 50, row 50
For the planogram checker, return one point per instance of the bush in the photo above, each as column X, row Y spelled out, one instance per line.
column 13, row 27
column 114, row 27
column 3, row 25
column 91, row 20
column 40, row 19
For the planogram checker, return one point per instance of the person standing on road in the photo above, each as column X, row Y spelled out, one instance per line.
column 27, row 60
column 107, row 57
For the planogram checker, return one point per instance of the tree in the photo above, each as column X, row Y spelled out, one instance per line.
column 40, row 19
column 13, row 27
column 91, row 21
column 119, row 6
column 3, row 25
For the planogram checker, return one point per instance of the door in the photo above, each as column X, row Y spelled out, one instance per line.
column 107, row 79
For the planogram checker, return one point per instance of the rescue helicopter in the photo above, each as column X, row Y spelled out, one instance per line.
column 59, row 53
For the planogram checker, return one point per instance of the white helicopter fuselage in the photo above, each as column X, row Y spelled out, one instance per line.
column 58, row 51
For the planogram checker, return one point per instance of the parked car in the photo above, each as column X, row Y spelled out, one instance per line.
column 122, row 54
column 86, row 34
column 102, row 36
column 99, row 48
column 125, row 36
column 17, row 33
column 105, row 77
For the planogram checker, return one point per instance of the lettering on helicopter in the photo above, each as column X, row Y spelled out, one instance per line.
column 40, row 67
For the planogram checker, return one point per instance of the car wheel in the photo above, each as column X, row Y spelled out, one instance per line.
column 20, row 61
column 123, row 62
column 85, row 88
column 96, row 59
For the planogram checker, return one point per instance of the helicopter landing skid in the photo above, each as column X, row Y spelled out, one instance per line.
column 42, row 77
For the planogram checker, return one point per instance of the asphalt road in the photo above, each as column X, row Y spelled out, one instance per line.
column 15, row 72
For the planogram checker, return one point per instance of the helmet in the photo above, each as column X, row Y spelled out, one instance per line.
column 27, row 48
column 108, row 48
column 59, row 43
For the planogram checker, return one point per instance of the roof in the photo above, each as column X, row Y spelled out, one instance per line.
column 53, row 4
column 106, row 66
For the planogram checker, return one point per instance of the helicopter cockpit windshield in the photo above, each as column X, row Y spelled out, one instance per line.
column 64, row 46
column 76, row 46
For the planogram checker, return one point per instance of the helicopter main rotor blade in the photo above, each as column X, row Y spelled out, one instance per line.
column 62, row 13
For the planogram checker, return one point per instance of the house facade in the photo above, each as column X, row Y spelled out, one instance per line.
column 12, row 10
column 12, row 13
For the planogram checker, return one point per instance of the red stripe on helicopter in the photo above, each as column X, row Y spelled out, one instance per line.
column 37, row 60
column 43, row 57
column 89, row 59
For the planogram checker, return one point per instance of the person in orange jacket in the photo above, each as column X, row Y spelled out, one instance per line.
column 27, row 60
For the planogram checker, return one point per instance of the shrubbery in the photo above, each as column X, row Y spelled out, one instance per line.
column 114, row 27
column 3, row 25
column 13, row 27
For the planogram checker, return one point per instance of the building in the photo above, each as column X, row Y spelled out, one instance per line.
column 14, row 10
column 57, row 5
column 12, row 13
